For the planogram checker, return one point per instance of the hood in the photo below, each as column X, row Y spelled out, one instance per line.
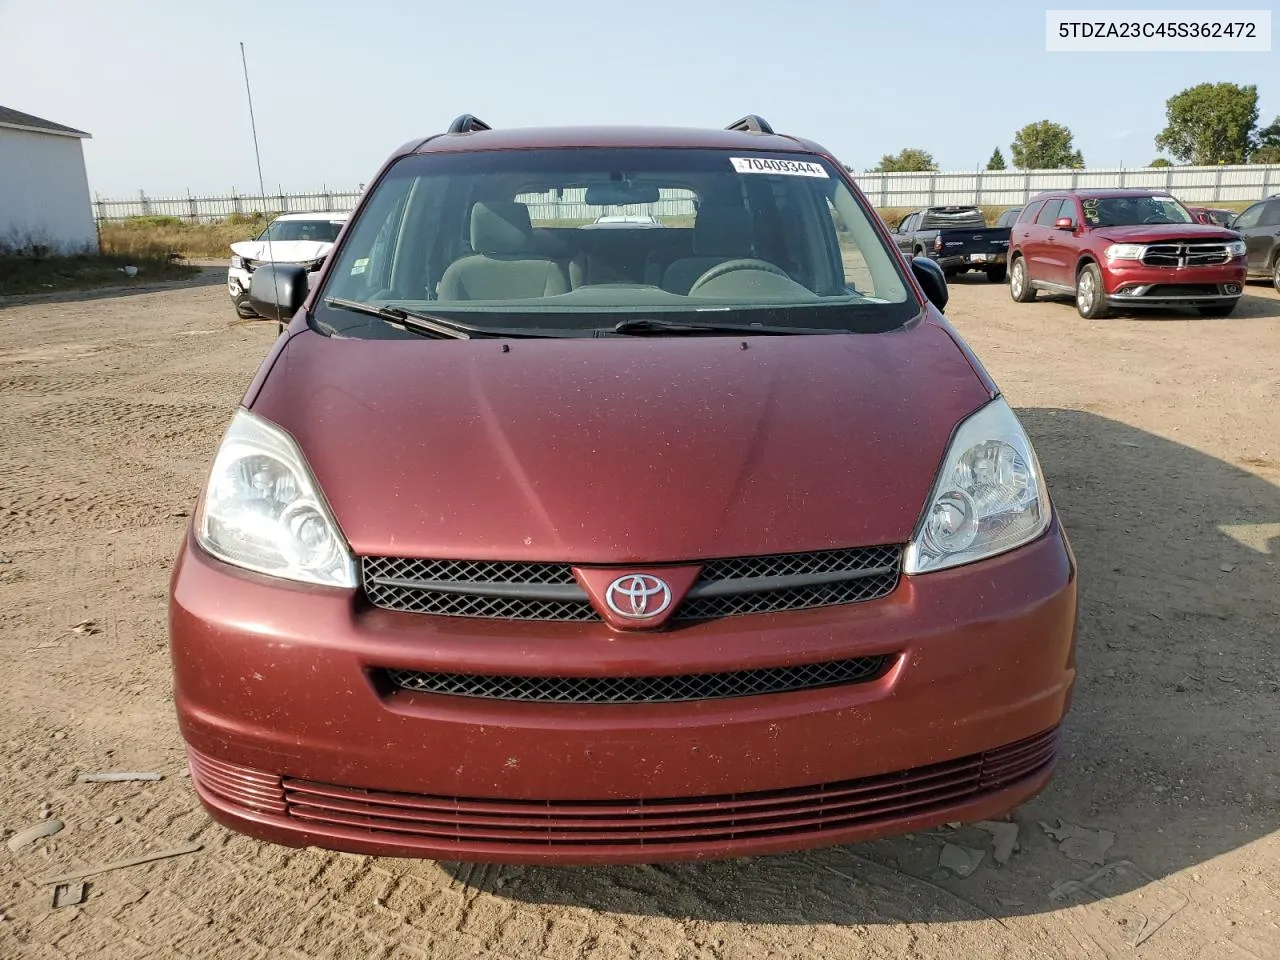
column 623, row 450
column 1156, row 233
column 285, row 251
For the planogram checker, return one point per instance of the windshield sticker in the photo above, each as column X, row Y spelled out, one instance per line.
column 359, row 266
column 788, row 168
column 1091, row 209
column 1163, row 199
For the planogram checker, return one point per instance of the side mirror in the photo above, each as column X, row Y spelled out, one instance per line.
column 930, row 276
column 277, row 290
column 1063, row 223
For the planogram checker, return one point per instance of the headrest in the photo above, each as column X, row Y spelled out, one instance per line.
column 722, row 232
column 500, row 227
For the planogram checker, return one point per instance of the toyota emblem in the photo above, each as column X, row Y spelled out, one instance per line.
column 638, row 596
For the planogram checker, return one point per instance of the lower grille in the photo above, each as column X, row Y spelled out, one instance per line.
column 550, row 591
column 668, row 689
column 799, row 811
column 242, row 786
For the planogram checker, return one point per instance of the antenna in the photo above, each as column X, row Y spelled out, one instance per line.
column 262, row 189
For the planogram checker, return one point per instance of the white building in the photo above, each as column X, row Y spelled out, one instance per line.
column 44, row 191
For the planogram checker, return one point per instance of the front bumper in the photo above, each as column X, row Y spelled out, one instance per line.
column 238, row 280
column 1135, row 285
column 294, row 739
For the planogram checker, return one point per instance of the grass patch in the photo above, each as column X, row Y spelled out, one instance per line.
column 157, row 237
column 21, row 274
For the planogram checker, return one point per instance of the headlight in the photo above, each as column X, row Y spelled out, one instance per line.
column 237, row 262
column 263, row 511
column 1124, row 251
column 1236, row 248
column 989, row 496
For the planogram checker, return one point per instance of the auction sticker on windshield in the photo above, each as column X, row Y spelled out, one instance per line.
column 790, row 168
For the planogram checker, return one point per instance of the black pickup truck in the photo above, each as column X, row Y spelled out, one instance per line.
column 958, row 238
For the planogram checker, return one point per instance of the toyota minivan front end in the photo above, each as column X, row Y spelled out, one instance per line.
column 536, row 543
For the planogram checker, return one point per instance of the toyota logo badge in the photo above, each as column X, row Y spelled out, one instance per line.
column 638, row 596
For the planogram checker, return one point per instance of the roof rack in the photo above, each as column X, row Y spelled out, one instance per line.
column 468, row 124
column 751, row 124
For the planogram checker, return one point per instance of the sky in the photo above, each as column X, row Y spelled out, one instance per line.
column 337, row 86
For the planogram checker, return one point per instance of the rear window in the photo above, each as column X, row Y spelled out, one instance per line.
column 556, row 239
column 1029, row 211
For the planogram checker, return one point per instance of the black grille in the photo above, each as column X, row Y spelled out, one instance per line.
column 1185, row 254
column 548, row 591
column 790, row 598
column 671, row 689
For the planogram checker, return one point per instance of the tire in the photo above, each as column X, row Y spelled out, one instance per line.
column 1020, row 288
column 997, row 274
column 244, row 311
column 1091, row 297
column 1275, row 274
column 1217, row 310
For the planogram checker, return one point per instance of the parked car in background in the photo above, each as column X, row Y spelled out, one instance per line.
column 624, row 221
column 1212, row 215
column 957, row 238
column 740, row 554
column 1124, row 248
column 1008, row 217
column 298, row 238
column 1259, row 226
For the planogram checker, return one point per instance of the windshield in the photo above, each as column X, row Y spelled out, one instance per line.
column 321, row 231
column 518, row 238
column 1133, row 211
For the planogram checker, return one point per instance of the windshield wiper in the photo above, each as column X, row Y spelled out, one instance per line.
column 424, row 323
column 643, row 325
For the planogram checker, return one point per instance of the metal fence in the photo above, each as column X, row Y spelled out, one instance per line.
column 1194, row 185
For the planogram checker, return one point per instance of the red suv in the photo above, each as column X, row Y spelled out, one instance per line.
column 1119, row 249
column 697, row 536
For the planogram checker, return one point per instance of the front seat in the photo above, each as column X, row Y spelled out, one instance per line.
column 719, row 234
column 507, row 264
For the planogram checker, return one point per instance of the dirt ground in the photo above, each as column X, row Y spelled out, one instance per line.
column 1161, row 440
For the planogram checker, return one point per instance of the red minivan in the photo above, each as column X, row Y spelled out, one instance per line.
column 701, row 536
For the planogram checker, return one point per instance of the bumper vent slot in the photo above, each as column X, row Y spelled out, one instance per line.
column 664, row 689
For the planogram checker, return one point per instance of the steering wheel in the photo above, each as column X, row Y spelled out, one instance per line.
column 1155, row 218
column 733, row 266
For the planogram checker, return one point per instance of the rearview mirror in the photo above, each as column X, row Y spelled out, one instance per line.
column 1064, row 223
column 930, row 276
column 278, row 290
column 620, row 194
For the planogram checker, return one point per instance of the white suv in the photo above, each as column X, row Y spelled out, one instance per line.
column 298, row 238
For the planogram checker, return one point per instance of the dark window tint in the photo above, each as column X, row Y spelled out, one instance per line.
column 1271, row 215
column 1008, row 217
column 1029, row 212
column 1049, row 213
column 1250, row 217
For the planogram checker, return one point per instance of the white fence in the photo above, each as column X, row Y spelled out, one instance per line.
column 1193, row 185
column 999, row 188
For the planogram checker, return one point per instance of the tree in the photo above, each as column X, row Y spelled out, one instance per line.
column 907, row 160
column 997, row 160
column 1160, row 162
column 1269, row 136
column 1211, row 123
column 1044, row 145
column 1268, row 150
